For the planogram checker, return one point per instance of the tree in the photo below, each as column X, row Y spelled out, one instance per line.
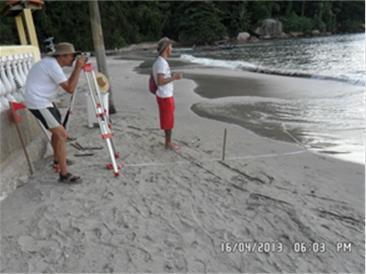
column 297, row 23
column 200, row 23
column 65, row 21
column 8, row 32
column 235, row 16
column 99, row 49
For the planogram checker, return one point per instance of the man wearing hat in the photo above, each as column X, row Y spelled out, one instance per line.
column 43, row 80
column 164, row 94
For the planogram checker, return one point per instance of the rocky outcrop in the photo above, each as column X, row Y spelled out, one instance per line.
column 296, row 34
column 243, row 37
column 271, row 28
column 315, row 32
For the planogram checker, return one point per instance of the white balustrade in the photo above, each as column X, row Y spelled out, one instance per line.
column 30, row 61
column 24, row 67
column 19, row 82
column 13, row 75
column 23, row 77
column 11, row 78
column 3, row 101
column 4, row 79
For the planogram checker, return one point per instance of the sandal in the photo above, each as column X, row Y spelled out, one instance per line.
column 56, row 166
column 69, row 179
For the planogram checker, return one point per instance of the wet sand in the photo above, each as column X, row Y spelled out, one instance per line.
column 277, row 107
column 182, row 211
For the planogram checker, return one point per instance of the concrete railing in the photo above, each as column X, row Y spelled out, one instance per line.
column 15, row 63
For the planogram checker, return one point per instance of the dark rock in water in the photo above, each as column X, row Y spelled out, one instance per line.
column 253, row 39
column 315, row 32
column 253, row 34
column 219, row 45
column 296, row 34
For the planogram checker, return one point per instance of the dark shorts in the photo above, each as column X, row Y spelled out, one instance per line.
column 49, row 117
column 166, row 110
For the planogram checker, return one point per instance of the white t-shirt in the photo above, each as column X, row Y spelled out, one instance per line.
column 162, row 66
column 42, row 83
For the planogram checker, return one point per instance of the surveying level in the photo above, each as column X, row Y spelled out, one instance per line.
column 102, row 117
column 49, row 45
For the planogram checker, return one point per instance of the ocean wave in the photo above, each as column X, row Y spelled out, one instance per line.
column 261, row 69
column 218, row 63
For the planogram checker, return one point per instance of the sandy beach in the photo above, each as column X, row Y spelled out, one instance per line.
column 272, row 206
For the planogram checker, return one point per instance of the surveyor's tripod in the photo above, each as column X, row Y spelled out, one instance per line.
column 102, row 117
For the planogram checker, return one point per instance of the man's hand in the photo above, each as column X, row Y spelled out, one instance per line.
column 162, row 81
column 70, row 85
column 80, row 61
column 177, row 76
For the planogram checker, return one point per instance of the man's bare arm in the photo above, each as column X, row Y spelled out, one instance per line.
column 70, row 85
column 162, row 81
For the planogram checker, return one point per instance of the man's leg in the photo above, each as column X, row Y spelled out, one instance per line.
column 168, row 138
column 53, row 143
column 51, row 119
column 168, row 121
column 59, row 137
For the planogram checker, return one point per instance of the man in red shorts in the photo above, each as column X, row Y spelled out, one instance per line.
column 164, row 94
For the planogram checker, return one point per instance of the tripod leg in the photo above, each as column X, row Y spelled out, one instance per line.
column 102, row 121
column 69, row 111
column 101, row 105
column 114, row 162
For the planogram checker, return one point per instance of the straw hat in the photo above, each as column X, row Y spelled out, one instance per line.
column 163, row 44
column 63, row 48
column 103, row 82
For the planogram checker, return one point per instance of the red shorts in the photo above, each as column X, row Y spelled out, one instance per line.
column 166, row 110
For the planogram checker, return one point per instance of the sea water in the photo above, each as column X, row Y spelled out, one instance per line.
column 332, row 123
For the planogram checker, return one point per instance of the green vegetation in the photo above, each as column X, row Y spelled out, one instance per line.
column 190, row 22
column 295, row 23
column 199, row 23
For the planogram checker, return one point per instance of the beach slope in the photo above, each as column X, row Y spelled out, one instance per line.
column 271, row 206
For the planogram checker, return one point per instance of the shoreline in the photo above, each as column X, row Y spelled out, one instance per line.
column 142, row 53
column 171, row 211
column 228, row 92
column 253, row 96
